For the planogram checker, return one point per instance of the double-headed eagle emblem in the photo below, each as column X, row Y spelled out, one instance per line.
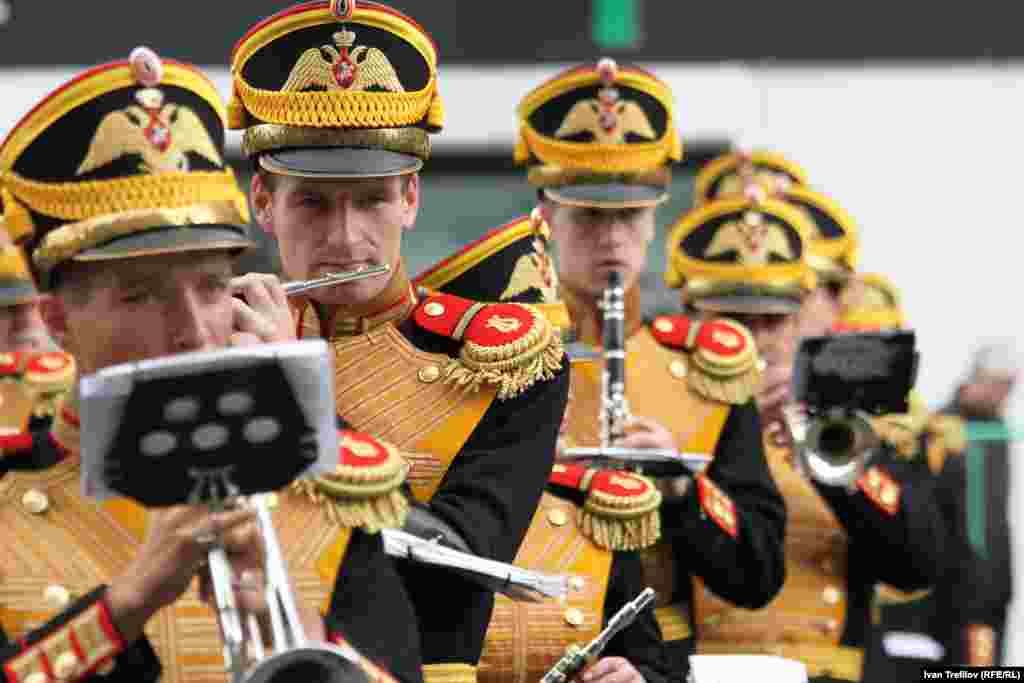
column 161, row 134
column 362, row 68
column 607, row 117
column 753, row 240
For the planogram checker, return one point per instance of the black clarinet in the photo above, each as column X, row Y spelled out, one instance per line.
column 614, row 409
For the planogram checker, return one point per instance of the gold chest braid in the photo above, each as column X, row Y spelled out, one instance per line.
column 656, row 388
column 387, row 387
column 62, row 546
column 524, row 640
column 805, row 620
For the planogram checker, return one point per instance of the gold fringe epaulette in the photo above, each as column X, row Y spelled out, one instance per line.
column 724, row 364
column 365, row 488
column 621, row 510
column 43, row 378
column 899, row 430
column 951, row 430
column 511, row 346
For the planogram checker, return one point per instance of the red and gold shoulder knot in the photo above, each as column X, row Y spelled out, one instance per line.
column 365, row 488
column 722, row 357
column 31, row 384
column 508, row 345
column 621, row 508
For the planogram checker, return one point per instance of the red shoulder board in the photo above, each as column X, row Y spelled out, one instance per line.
column 50, row 371
column 723, row 356
column 881, row 489
column 570, row 476
column 511, row 345
column 717, row 505
column 10, row 363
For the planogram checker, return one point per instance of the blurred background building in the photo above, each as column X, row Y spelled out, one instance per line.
column 907, row 114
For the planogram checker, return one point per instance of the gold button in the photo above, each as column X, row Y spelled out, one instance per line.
column 576, row 583
column 57, row 596
column 832, row 626
column 663, row 325
column 557, row 517
column 831, row 595
column 37, row 677
column 429, row 374
column 433, row 309
column 66, row 666
column 677, row 369
column 35, row 501
column 574, row 617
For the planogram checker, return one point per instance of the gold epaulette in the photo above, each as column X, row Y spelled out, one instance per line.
column 512, row 346
column 722, row 353
column 364, row 490
column 621, row 510
column 946, row 436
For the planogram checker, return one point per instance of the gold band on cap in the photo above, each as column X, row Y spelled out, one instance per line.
column 67, row 241
column 603, row 158
column 556, row 176
column 340, row 108
column 77, row 201
column 269, row 136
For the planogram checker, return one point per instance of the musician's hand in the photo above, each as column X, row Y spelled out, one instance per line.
column 611, row 670
column 264, row 316
column 642, row 432
column 178, row 540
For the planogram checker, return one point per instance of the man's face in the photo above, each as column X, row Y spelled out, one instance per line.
column 147, row 307
column 22, row 328
column 592, row 242
column 986, row 395
column 776, row 339
column 337, row 225
column 820, row 311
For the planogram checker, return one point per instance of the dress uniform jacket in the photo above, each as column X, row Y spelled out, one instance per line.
column 728, row 529
column 838, row 546
column 526, row 639
column 52, row 580
column 480, row 438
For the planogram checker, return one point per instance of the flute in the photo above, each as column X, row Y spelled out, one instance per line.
column 298, row 286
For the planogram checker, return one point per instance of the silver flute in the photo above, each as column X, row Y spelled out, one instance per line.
column 298, row 286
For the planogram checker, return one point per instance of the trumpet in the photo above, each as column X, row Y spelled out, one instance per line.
column 833, row 447
column 291, row 656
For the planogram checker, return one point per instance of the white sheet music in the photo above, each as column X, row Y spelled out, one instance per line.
column 733, row 668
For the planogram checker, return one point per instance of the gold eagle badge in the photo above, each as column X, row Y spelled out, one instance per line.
column 162, row 134
column 753, row 240
column 364, row 68
column 607, row 117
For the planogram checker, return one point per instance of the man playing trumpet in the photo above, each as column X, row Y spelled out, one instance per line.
column 117, row 181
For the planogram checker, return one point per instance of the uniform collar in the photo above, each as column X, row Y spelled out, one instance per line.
column 393, row 305
column 587, row 319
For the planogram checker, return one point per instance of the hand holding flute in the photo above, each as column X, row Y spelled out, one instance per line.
column 260, row 304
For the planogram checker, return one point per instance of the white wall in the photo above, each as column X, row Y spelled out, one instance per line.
column 928, row 160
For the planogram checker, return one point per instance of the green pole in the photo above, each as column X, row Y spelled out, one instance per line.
column 616, row 23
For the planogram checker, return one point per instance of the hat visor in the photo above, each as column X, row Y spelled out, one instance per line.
column 339, row 163
column 753, row 304
column 15, row 292
column 608, row 195
column 170, row 240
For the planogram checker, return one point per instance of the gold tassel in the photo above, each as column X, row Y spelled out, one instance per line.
column 435, row 114
column 897, row 431
column 614, row 533
column 512, row 381
column 371, row 513
column 17, row 220
column 735, row 390
column 521, row 153
column 238, row 117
